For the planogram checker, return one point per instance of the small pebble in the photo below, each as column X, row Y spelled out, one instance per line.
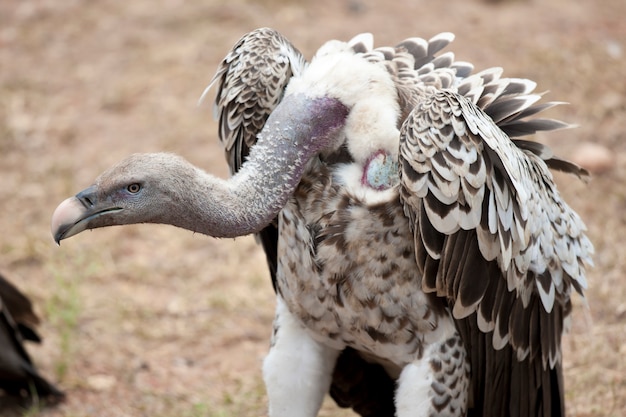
column 101, row 382
column 594, row 158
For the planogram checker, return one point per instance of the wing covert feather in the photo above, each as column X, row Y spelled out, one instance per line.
column 250, row 83
column 475, row 199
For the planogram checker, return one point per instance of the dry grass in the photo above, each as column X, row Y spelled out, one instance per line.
column 151, row 320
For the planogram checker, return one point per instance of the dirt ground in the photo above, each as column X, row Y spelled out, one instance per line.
column 156, row 321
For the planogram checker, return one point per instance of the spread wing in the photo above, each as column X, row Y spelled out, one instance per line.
column 496, row 240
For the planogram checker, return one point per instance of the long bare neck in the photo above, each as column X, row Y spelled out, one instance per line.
column 246, row 203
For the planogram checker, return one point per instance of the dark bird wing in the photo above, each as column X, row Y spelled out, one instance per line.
column 494, row 238
column 21, row 309
column 18, row 375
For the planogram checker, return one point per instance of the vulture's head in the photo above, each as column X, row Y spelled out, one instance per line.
column 143, row 188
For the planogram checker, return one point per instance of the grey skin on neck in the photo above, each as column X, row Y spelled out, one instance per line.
column 175, row 192
column 296, row 131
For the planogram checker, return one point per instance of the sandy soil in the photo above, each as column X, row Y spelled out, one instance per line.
column 154, row 321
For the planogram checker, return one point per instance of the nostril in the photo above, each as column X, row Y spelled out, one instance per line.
column 87, row 197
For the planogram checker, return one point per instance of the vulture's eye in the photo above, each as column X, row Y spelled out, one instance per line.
column 133, row 188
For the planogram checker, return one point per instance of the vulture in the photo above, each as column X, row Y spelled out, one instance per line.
column 18, row 375
column 422, row 257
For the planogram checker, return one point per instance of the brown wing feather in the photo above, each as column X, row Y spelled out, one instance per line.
column 506, row 262
column 250, row 83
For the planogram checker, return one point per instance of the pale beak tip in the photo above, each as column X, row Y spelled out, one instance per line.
column 65, row 215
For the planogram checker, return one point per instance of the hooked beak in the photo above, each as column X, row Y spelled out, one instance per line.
column 75, row 214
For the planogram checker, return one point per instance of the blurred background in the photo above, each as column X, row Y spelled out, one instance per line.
column 154, row 321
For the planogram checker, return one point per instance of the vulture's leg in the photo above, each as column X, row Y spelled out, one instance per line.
column 437, row 384
column 298, row 370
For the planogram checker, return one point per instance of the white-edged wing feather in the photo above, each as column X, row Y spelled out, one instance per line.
column 250, row 83
column 460, row 173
